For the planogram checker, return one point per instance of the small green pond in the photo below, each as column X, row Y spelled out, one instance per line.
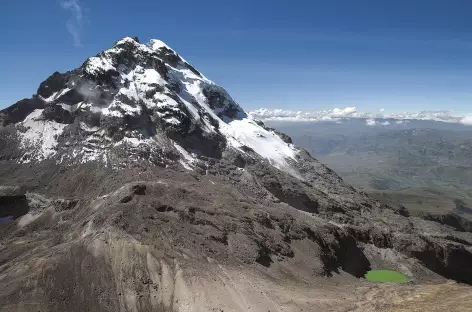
column 386, row 276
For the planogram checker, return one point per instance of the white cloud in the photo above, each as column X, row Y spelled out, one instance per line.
column 467, row 120
column 370, row 122
column 76, row 21
column 348, row 111
column 280, row 114
column 377, row 118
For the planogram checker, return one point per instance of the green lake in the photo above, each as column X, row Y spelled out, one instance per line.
column 386, row 276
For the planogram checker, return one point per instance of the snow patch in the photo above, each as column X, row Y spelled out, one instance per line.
column 185, row 165
column 150, row 76
column 187, row 160
column 56, row 95
column 95, row 65
column 66, row 107
column 172, row 120
column 113, row 112
column 87, row 128
column 40, row 136
column 269, row 145
column 135, row 141
column 156, row 44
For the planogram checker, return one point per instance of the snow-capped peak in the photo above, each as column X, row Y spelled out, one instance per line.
column 149, row 97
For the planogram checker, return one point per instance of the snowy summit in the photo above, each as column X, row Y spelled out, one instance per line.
column 146, row 99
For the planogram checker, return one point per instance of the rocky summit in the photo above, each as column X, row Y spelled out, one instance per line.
column 134, row 183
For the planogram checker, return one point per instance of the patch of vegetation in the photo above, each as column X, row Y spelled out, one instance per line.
column 386, row 276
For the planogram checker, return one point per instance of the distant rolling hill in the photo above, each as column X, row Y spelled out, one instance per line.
column 424, row 165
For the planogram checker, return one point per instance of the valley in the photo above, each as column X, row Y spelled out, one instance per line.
column 424, row 165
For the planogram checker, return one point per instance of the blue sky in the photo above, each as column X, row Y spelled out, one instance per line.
column 308, row 55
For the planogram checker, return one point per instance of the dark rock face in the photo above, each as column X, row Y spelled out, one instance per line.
column 446, row 259
column 71, row 97
column 169, row 56
column 196, row 72
column 291, row 195
column 209, row 145
column 239, row 161
column 341, row 252
column 9, row 149
column 456, row 221
column 287, row 139
column 54, row 83
column 220, row 101
column 57, row 114
column 13, row 201
column 283, row 136
column 20, row 110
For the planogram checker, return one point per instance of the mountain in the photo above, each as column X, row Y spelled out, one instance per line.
column 134, row 183
column 134, row 97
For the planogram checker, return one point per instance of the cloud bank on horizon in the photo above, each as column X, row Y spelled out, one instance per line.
column 372, row 119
